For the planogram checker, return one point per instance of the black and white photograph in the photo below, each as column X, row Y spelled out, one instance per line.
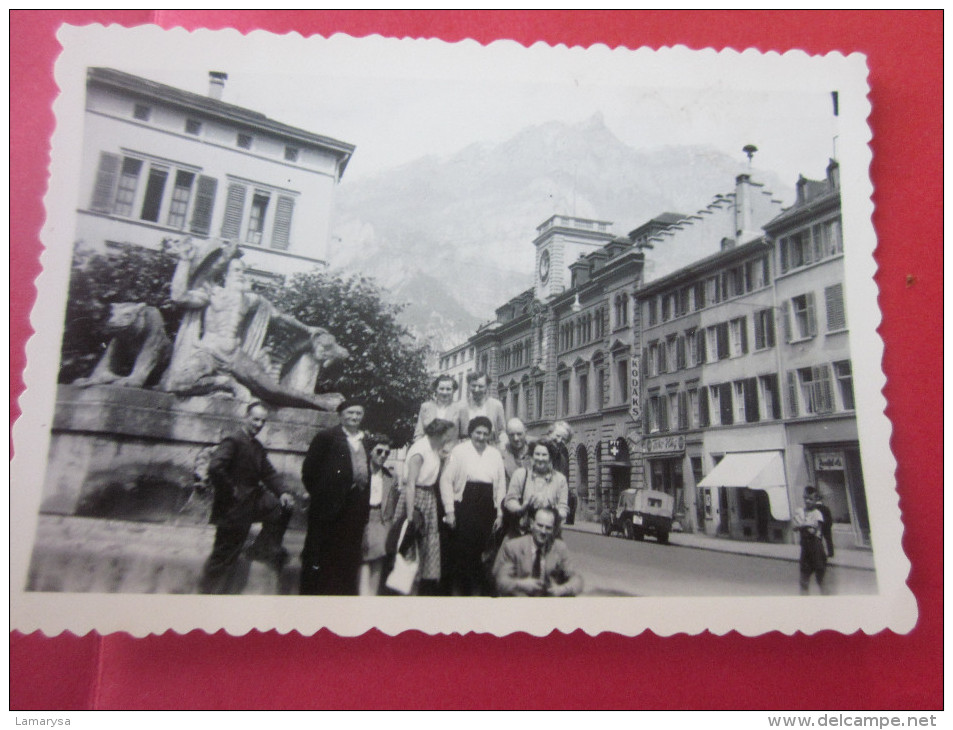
column 357, row 333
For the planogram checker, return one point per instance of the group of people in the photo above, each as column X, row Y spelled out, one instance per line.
column 485, row 506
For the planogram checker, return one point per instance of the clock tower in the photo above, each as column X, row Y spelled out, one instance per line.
column 559, row 242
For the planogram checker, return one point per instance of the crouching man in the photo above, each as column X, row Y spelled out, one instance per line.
column 537, row 564
column 247, row 490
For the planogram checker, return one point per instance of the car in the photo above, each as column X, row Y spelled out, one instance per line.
column 641, row 512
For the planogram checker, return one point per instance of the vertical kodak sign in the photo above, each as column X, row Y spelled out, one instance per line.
column 635, row 389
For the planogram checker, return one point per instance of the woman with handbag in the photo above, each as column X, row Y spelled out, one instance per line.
column 419, row 498
column 541, row 485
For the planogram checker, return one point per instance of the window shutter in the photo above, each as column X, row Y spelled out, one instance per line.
column 836, row 316
column 682, row 410
column 204, row 205
column 104, row 190
column 809, row 312
column 759, row 320
column 792, row 394
column 786, row 318
column 234, row 209
column 823, row 391
column 744, row 335
column 281, row 236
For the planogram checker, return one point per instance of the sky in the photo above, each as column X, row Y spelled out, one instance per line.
column 398, row 100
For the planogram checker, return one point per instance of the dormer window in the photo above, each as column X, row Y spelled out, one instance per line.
column 142, row 112
column 193, row 126
column 244, row 141
column 291, row 154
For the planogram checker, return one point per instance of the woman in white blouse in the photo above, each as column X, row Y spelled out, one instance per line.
column 472, row 488
column 421, row 472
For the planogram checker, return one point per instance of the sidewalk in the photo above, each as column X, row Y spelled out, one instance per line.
column 860, row 559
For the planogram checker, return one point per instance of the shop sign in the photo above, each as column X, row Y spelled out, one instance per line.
column 635, row 388
column 829, row 461
column 665, row 445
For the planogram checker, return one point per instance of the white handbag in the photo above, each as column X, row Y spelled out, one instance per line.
column 406, row 565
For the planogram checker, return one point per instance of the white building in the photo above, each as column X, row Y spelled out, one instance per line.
column 160, row 162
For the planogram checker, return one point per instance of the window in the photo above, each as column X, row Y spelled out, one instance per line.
column 515, row 401
column 804, row 324
column 583, row 392
column 845, row 383
column 691, row 345
column 663, row 419
column 252, row 223
column 291, row 154
column 671, row 354
column 682, row 401
column 181, row 193
column 662, row 358
column 652, row 413
column 256, row 218
column 680, row 362
column 770, row 397
column 600, row 387
column 622, row 370
column 701, row 356
column 119, row 190
column 142, row 112
column 564, row 400
column 704, row 413
column 717, row 342
column 651, row 307
column 193, row 126
column 739, row 336
column 666, row 308
column 155, row 187
column 802, row 248
column 746, row 401
column 721, row 397
column 539, row 400
column 736, row 281
column 756, row 274
column 816, row 395
column 763, row 329
column 699, row 295
column 244, row 141
column 621, row 310
column 128, row 181
column 693, row 414
column 836, row 316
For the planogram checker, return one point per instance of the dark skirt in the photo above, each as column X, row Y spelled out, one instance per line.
column 475, row 514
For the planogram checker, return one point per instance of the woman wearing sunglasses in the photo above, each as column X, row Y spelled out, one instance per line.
column 383, row 503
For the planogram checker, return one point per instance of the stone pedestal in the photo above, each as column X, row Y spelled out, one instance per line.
column 128, row 453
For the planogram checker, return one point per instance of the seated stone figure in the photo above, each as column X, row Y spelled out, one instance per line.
column 139, row 347
column 220, row 343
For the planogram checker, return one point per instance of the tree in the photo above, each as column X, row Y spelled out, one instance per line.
column 128, row 273
column 387, row 367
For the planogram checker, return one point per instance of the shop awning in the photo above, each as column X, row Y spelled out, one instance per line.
column 762, row 470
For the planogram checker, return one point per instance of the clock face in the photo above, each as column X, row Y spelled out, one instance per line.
column 544, row 266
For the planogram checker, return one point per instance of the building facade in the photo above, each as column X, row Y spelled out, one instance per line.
column 160, row 162
column 748, row 389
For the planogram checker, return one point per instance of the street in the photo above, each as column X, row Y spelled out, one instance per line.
column 615, row 566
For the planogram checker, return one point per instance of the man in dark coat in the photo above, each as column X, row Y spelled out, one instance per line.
column 247, row 490
column 336, row 473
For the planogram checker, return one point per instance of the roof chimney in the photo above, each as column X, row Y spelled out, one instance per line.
column 216, row 84
column 742, row 205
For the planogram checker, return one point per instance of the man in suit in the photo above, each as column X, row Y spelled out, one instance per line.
column 336, row 473
column 537, row 564
column 516, row 450
column 247, row 490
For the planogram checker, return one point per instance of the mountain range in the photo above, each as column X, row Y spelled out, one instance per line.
column 451, row 237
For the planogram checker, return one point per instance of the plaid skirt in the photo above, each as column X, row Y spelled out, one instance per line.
column 425, row 500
